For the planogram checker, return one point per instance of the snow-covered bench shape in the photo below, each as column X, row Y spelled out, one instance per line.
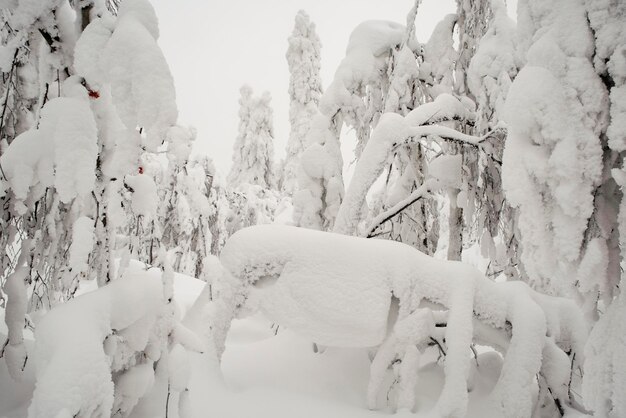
column 337, row 290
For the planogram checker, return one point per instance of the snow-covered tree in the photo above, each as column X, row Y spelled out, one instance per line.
column 253, row 151
column 416, row 224
column 186, row 215
column 88, row 99
column 305, row 90
column 251, row 193
column 355, row 97
column 404, row 76
column 563, row 169
column 491, row 71
column 553, row 160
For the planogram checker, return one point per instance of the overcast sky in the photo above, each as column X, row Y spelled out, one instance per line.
column 213, row 47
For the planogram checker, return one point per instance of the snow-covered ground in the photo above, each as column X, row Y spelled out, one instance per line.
column 270, row 372
column 267, row 375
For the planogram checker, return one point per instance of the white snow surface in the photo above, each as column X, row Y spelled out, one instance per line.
column 264, row 371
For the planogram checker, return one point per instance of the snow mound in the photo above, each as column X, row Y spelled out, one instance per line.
column 337, row 290
column 79, row 343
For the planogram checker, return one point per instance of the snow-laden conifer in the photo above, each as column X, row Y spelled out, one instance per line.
column 305, row 90
column 253, row 151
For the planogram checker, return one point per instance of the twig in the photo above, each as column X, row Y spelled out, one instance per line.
column 441, row 350
column 167, row 400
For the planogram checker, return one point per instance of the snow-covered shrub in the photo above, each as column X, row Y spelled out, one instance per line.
column 96, row 355
column 90, row 100
column 337, row 290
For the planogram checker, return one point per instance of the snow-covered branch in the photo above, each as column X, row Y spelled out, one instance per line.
column 392, row 131
column 421, row 192
column 337, row 290
column 444, row 133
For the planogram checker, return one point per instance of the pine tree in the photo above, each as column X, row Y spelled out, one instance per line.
column 88, row 98
column 251, row 195
column 253, row 149
column 305, row 90
column 355, row 98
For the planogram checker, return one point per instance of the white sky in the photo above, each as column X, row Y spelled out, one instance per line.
column 215, row 46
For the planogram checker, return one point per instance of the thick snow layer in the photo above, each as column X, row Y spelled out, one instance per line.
column 61, row 152
column 30, row 12
column 15, row 350
column 143, row 12
column 336, row 290
column 557, row 115
column 551, row 165
column 180, row 140
column 82, row 244
column 125, row 54
column 73, row 371
column 439, row 52
column 88, row 50
column 493, row 66
column 71, row 124
column 368, row 46
column 27, row 163
column 144, row 194
column 272, row 373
